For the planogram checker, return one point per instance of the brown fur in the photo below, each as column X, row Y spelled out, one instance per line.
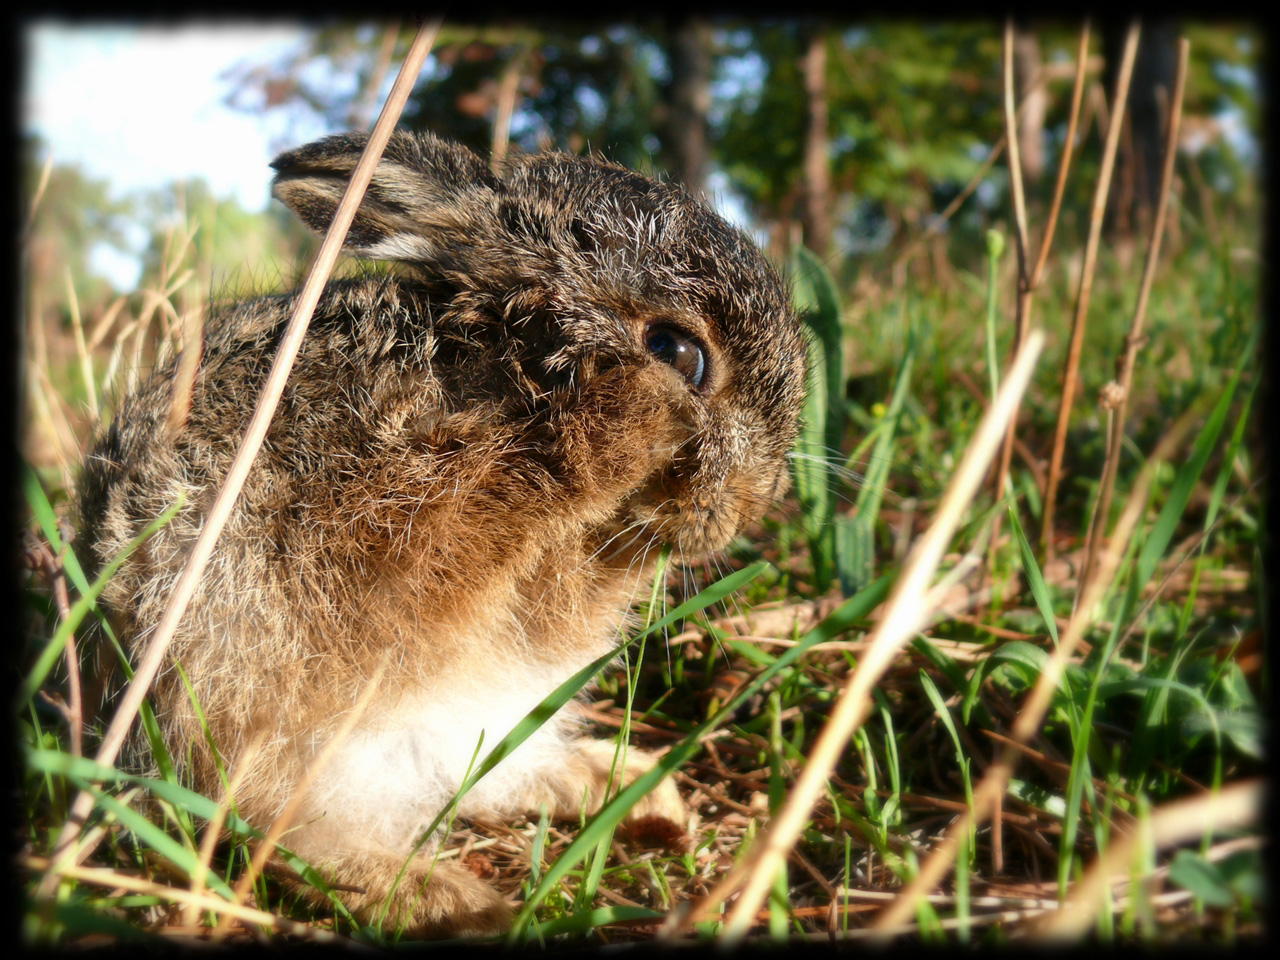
column 471, row 466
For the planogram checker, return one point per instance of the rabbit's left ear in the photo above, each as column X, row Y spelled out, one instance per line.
column 428, row 197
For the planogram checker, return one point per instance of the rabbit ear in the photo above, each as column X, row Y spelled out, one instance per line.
column 426, row 196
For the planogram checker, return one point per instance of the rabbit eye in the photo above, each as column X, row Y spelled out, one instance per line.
column 679, row 351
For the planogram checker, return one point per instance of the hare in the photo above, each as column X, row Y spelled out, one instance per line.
column 471, row 470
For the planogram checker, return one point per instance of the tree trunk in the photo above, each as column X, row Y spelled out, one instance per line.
column 689, row 99
column 1153, row 68
column 817, row 160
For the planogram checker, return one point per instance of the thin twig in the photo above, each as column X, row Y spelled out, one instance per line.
column 82, row 352
column 41, row 186
column 508, row 88
column 1086, row 288
column 360, row 118
column 1023, row 314
column 123, row 881
column 1015, row 157
column 1119, row 396
column 1068, row 148
column 220, row 512
column 213, row 829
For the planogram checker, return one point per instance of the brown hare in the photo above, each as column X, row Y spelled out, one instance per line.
column 473, row 465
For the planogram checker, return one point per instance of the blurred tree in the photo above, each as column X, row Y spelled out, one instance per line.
column 74, row 215
column 687, row 98
column 607, row 88
column 235, row 252
column 912, row 109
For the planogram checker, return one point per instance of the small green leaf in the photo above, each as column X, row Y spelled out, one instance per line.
column 1194, row 873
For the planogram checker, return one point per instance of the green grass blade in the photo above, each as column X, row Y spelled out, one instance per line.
column 855, row 543
column 851, row 611
column 1162, row 532
column 53, row 649
column 584, row 921
column 822, row 416
column 1039, row 592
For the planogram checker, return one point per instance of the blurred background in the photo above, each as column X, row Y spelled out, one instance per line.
column 142, row 142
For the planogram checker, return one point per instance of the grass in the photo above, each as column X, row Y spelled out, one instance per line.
column 1104, row 823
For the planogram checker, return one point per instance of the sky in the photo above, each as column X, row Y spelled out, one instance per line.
column 142, row 106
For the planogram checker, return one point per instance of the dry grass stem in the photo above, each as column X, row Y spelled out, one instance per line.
column 903, row 614
column 508, row 89
column 1029, row 280
column 104, row 324
column 1233, row 807
column 45, row 172
column 1068, row 148
column 1124, row 376
column 255, row 432
column 82, row 353
column 184, row 379
column 1015, row 158
column 60, row 437
column 1086, row 288
column 995, row 781
column 102, row 877
column 285, row 818
column 364, row 112
column 213, row 829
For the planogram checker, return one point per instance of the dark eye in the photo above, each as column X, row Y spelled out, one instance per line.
column 680, row 351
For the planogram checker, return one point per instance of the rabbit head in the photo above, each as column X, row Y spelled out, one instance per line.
column 581, row 272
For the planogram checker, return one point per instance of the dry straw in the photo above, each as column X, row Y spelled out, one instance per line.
column 1124, row 378
column 996, row 780
column 304, row 305
column 1086, row 285
column 903, row 615
column 1029, row 278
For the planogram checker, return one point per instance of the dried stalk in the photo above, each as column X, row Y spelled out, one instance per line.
column 1068, row 148
column 82, row 352
column 360, row 118
column 1015, row 158
column 113, row 880
column 1086, row 286
column 220, row 512
column 213, row 829
column 508, row 88
column 1118, row 390
column 995, row 782
column 1029, row 281
column 1231, row 808
column 903, row 614
column 284, row 820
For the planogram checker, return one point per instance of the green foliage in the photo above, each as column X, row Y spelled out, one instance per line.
column 76, row 213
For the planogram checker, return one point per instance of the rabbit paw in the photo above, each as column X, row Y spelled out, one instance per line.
column 433, row 900
column 588, row 778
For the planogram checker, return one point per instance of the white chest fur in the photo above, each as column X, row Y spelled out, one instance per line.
column 394, row 774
